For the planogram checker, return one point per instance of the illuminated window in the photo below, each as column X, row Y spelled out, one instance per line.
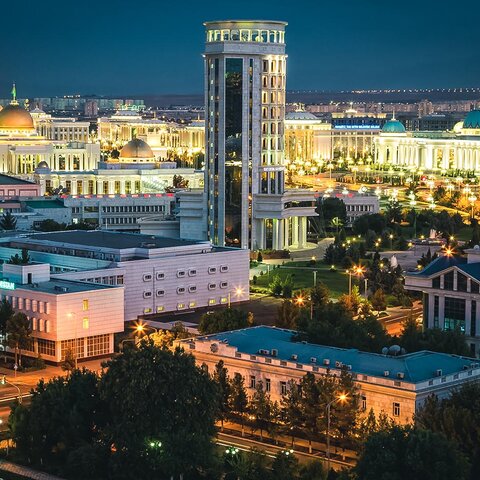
column 86, row 323
column 212, row 301
column 396, row 409
column 192, row 304
column 160, row 308
column 85, row 305
column 224, row 300
column 180, row 306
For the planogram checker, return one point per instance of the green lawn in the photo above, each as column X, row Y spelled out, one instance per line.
column 336, row 281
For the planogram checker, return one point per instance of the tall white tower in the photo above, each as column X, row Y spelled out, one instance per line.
column 245, row 77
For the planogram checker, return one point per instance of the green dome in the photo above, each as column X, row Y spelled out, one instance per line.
column 472, row 120
column 393, row 126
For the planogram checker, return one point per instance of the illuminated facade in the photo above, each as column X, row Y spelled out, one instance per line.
column 245, row 75
column 166, row 139
column 431, row 151
column 22, row 148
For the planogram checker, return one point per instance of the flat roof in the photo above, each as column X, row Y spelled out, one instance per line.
column 112, row 240
column 416, row 367
column 63, row 287
column 45, row 204
column 8, row 180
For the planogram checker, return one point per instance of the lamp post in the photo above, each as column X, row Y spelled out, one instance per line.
column 238, row 292
column 74, row 316
column 4, row 381
column 342, row 398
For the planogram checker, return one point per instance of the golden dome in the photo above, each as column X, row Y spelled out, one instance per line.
column 136, row 148
column 14, row 117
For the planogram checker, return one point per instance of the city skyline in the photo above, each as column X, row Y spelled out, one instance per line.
column 356, row 46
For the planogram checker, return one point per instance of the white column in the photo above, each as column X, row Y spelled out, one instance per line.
column 468, row 316
column 302, row 232
column 295, row 231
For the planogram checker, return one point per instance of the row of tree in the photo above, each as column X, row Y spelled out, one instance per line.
column 301, row 410
column 352, row 322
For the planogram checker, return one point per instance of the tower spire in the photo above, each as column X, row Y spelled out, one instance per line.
column 14, row 94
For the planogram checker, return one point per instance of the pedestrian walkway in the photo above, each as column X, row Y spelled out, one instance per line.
column 10, row 467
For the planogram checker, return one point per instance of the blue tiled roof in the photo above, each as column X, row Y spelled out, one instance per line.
column 440, row 264
column 443, row 263
column 393, row 126
column 416, row 367
column 472, row 120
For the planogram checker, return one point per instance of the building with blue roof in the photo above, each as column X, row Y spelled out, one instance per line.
column 396, row 385
column 458, row 149
column 451, row 294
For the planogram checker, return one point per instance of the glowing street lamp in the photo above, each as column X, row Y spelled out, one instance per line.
column 342, row 398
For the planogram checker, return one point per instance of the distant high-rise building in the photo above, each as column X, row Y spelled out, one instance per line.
column 245, row 76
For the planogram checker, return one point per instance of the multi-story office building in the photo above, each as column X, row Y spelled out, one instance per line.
column 60, row 129
column 245, row 77
column 160, row 275
column 451, row 294
column 120, row 212
column 395, row 385
column 63, row 314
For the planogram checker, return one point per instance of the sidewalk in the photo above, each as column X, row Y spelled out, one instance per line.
column 300, row 444
column 10, row 467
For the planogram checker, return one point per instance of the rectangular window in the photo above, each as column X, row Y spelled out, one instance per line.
column 147, row 277
column 85, row 323
column 160, row 308
column 252, row 381
column 46, row 347
column 436, row 282
column 85, row 305
column 212, row 301
column 98, row 345
column 454, row 313
column 461, row 282
column 474, row 287
column 435, row 311
column 160, row 275
column 364, row 402
column 283, row 388
column 396, row 409
column 267, row 385
column 473, row 319
column 448, row 281
column 70, row 345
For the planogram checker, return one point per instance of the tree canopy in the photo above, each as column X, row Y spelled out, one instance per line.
column 224, row 320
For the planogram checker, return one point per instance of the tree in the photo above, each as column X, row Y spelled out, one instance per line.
column 284, row 466
column 49, row 225
column 179, row 182
column 238, row 399
column 259, row 257
column 290, row 406
column 378, row 300
column 220, row 377
column 8, row 221
column 330, row 208
column 287, row 315
column 457, row 417
column 402, row 452
column 68, row 363
column 165, row 338
column 22, row 259
column 165, row 422
column 261, row 407
column 224, row 320
column 18, row 334
column 250, row 465
column 310, row 412
column 336, row 222
column 276, row 285
column 65, row 414
column 6, row 312
column 313, row 471
column 320, row 295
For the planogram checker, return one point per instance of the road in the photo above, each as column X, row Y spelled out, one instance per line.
column 393, row 323
column 246, row 444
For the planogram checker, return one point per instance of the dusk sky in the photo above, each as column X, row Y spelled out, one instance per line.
column 121, row 47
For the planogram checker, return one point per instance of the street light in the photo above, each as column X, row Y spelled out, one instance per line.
column 238, row 292
column 4, row 381
column 342, row 398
